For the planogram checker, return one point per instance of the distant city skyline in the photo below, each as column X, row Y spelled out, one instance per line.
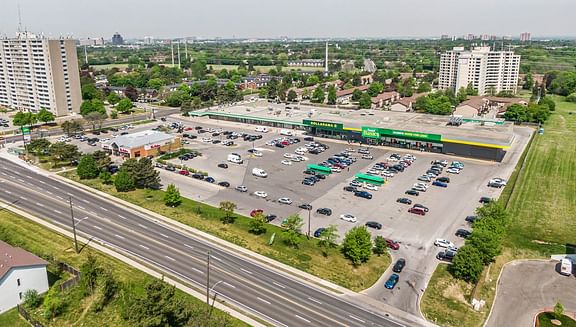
column 296, row 19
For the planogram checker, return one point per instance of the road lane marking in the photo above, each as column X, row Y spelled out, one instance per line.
column 246, row 271
column 230, row 285
column 122, row 217
column 302, row 318
column 314, row 300
column 122, row 237
column 104, row 209
column 279, row 285
column 81, row 208
column 56, row 187
column 59, row 197
column 3, row 174
column 28, row 176
column 83, row 200
column 144, row 247
column 188, row 246
column 169, row 258
column 13, row 177
column 40, row 205
column 216, row 258
column 42, row 182
column 7, row 191
column 20, row 180
column 97, row 227
column 23, row 198
column 58, row 212
column 356, row 318
column 48, row 192
column 142, row 226
column 197, row 270
column 164, row 235
column 261, row 299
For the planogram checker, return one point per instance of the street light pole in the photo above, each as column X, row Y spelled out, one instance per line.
column 309, row 211
column 208, row 278
column 73, row 226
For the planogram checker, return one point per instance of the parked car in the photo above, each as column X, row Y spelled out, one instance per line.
column 319, row 231
column 446, row 255
column 261, row 194
column 373, row 224
column 404, row 200
column 424, row 178
column 471, row 219
column 417, row 205
column 463, row 233
column 209, row 179
column 412, row 192
column 399, row 265
column 485, row 199
column 439, row 184
column 392, row 281
column 198, row 176
column 241, row 188
column 254, row 212
column 392, row 244
column 363, row 194
column 350, row 189
column 417, row 211
column 223, row 165
column 270, row 217
column 443, row 179
column 285, row 201
column 184, row 172
column 224, row 184
column 324, row 211
column 348, row 218
column 443, row 243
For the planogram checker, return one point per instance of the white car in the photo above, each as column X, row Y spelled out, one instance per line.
column 368, row 156
column 271, row 143
column 285, row 201
column 241, row 188
column 392, row 159
column 259, row 172
column 299, row 152
column 336, row 170
column 288, row 155
column 348, row 218
column 63, row 139
column 453, row 171
column 371, row 187
column 443, row 243
column 373, row 172
column 207, row 139
column 424, row 178
column 257, row 153
column 387, row 174
column 424, row 185
column 497, row 180
column 419, row 188
column 261, row 194
column 286, row 162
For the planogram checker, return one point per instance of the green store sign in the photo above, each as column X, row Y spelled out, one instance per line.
column 371, row 133
column 375, row 133
column 323, row 124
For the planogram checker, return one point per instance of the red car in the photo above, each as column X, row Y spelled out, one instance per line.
column 254, row 212
column 417, row 210
column 184, row 172
column 392, row 244
column 285, row 143
column 189, row 129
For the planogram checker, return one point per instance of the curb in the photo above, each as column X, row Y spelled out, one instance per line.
column 133, row 263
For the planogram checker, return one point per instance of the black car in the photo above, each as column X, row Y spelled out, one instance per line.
column 224, row 184
column 471, row 219
column 308, row 182
column 198, row 176
column 433, row 172
column 270, row 217
column 485, row 199
column 309, row 138
column 412, row 192
column 324, row 211
column 404, row 200
column 463, row 233
column 112, row 169
column 350, row 189
column 198, row 127
column 223, row 165
column 443, row 179
column 279, row 145
column 373, row 224
column 363, row 194
column 318, row 232
column 210, row 179
column 215, row 141
column 417, row 205
column 399, row 265
column 320, row 176
column 305, row 206
column 447, row 255
column 309, row 172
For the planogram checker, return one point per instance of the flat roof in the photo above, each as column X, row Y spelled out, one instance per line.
column 139, row 139
column 469, row 132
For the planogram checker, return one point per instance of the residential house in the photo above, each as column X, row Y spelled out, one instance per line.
column 19, row 271
column 367, row 79
column 385, row 99
column 344, row 96
column 477, row 106
column 255, row 82
column 306, row 63
column 158, row 59
column 407, row 103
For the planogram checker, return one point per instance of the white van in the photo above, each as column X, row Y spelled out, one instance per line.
column 261, row 129
column 566, row 267
column 259, row 172
column 235, row 158
column 286, row 132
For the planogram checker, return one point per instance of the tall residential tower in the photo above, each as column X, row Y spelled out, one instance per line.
column 488, row 71
column 37, row 73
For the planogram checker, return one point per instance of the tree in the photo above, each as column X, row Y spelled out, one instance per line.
column 528, row 82
column 318, row 95
column 375, row 88
column 199, row 69
column 571, row 98
column 131, row 93
column 547, row 101
column 292, row 96
column 467, row 264
column 487, row 243
column 45, row 116
column 123, row 182
column 172, row 196
column 72, row 127
column 293, row 225
column 87, row 167
column 124, row 106
column 356, row 95
column 61, row 151
column 95, row 119
column 103, row 159
column 23, row 118
column 105, row 177
column 32, row 299
column 332, row 95
column 114, row 114
column 90, row 106
column 462, row 95
column 39, row 146
column 365, row 101
column 424, row 87
column 357, row 245
column 328, row 238
column 113, row 98
column 470, row 90
column 380, row 245
column 516, row 112
column 89, row 270
column 142, row 172
column 257, row 224
column 558, row 310
column 90, row 92
column 228, row 207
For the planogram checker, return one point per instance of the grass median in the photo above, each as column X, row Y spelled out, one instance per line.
column 541, row 206
column 308, row 256
column 50, row 245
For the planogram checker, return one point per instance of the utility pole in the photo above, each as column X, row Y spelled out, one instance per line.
column 309, row 214
column 208, row 279
column 73, row 226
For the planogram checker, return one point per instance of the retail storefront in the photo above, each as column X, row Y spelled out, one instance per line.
column 142, row 144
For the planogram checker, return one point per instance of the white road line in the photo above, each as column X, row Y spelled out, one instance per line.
column 230, row 285
column 48, row 192
column 142, row 226
column 246, row 271
column 216, row 258
column 279, row 285
column 23, row 198
column 197, row 270
column 261, row 299
column 122, row 237
column 314, row 300
column 3, row 174
column 122, row 217
column 169, row 258
column 7, row 191
column 188, row 246
column 302, row 318
column 56, row 187
column 98, row 228
column 164, row 235
column 28, row 176
column 20, row 180
column 104, row 209
column 85, row 200
column 13, row 177
column 40, row 205
column 42, row 182
column 59, row 197
column 58, row 212
column 356, row 318
column 144, row 247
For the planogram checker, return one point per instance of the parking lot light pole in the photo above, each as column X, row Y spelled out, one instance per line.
column 309, row 215
column 73, row 226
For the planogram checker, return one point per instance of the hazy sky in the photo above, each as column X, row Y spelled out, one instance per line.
column 293, row 18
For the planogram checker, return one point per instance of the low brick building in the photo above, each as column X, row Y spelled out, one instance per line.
column 142, row 144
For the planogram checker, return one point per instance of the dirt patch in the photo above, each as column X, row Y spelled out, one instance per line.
column 454, row 291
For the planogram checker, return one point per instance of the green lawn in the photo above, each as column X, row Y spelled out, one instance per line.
column 541, row 206
column 43, row 242
column 266, row 69
column 11, row 318
column 307, row 257
column 545, row 317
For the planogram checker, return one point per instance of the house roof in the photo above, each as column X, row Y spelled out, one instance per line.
column 478, row 102
column 11, row 257
column 384, row 96
column 411, row 99
column 350, row 91
column 139, row 139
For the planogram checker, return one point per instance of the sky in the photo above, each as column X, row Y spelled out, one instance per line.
column 293, row 18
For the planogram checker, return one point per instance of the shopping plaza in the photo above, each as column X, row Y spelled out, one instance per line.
column 475, row 138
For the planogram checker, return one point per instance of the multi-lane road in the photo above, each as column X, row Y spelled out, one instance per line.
column 275, row 297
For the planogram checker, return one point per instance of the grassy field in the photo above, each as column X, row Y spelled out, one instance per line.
column 109, row 66
column 11, row 318
column 307, row 257
column 544, row 320
column 541, row 209
column 21, row 232
column 266, row 69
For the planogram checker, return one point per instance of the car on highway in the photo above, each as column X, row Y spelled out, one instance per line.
column 399, row 265
column 464, row 233
column 417, row 211
column 224, row 184
column 404, row 200
column 254, row 212
column 373, row 224
column 439, row 184
column 412, row 192
column 285, row 201
column 223, row 165
column 392, row 281
column 440, row 242
column 318, row 232
column 261, row 194
column 324, row 211
column 418, row 205
column 485, row 200
column 241, row 188
column 348, row 218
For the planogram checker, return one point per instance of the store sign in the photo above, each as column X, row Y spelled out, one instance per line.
column 411, row 135
column 123, row 150
column 151, row 146
column 323, row 124
column 371, row 133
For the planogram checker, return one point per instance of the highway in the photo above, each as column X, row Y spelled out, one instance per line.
column 277, row 298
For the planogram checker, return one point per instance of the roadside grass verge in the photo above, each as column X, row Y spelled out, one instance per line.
column 308, row 256
column 52, row 246
column 11, row 318
column 541, row 207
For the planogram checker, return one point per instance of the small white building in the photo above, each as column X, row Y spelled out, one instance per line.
column 19, row 271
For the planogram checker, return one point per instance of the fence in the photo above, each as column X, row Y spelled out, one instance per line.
column 28, row 317
column 72, row 281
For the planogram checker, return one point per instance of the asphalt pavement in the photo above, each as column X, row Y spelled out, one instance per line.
column 276, row 297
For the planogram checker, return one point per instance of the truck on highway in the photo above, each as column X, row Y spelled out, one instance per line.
column 235, row 158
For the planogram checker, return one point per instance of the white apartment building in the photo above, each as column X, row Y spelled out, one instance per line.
column 37, row 73
column 483, row 68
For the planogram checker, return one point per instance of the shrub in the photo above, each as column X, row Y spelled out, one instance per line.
column 32, row 299
column 124, row 182
column 467, row 264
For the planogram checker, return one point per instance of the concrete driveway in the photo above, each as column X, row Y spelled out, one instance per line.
column 525, row 288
